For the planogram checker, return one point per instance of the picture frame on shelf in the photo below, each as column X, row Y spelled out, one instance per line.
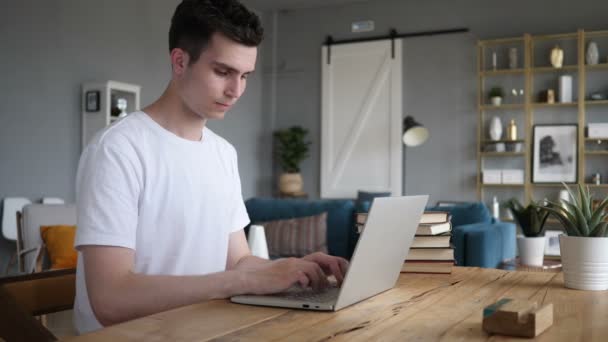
column 552, row 243
column 555, row 153
column 92, row 101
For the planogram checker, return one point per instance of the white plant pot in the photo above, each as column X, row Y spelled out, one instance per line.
column 496, row 100
column 584, row 262
column 531, row 250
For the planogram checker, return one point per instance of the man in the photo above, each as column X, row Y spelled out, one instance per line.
column 160, row 210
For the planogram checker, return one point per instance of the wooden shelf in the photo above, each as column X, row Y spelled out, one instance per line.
column 597, row 153
column 596, row 102
column 498, row 72
column 549, row 185
column 534, row 69
column 503, row 185
column 600, row 66
column 554, row 69
column 540, row 104
column 503, row 106
column 502, row 154
column 485, row 142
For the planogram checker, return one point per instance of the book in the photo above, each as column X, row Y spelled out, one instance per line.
column 434, row 229
column 432, row 241
column 444, row 267
column 429, row 217
column 445, row 254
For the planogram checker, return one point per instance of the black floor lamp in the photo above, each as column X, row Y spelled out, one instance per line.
column 414, row 134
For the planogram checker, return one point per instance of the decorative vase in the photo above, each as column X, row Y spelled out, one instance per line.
column 290, row 183
column 257, row 241
column 512, row 130
column 513, row 58
column 531, row 250
column 593, row 55
column 557, row 57
column 496, row 100
column 584, row 262
column 495, row 128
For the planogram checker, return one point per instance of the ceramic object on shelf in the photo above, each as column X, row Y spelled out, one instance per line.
column 557, row 57
column 495, row 128
column 593, row 54
column 512, row 130
column 496, row 100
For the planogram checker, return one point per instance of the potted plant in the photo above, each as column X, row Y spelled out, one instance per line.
column 496, row 95
column 531, row 219
column 584, row 249
column 292, row 149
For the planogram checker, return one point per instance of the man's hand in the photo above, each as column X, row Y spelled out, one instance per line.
column 331, row 265
column 309, row 271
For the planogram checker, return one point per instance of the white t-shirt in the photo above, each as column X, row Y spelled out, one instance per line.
column 173, row 201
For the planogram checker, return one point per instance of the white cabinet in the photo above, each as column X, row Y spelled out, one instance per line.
column 100, row 105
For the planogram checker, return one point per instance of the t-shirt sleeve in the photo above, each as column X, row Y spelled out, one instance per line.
column 240, row 218
column 107, row 195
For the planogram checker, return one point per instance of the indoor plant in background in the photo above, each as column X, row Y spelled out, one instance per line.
column 496, row 95
column 291, row 150
column 531, row 219
column 584, row 249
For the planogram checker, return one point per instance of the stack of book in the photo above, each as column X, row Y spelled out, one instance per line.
column 431, row 251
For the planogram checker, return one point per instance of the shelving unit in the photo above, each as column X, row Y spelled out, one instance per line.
column 534, row 74
column 106, row 93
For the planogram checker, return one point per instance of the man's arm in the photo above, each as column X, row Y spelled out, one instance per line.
column 118, row 294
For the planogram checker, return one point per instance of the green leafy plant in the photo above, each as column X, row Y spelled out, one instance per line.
column 531, row 218
column 496, row 92
column 578, row 217
column 292, row 148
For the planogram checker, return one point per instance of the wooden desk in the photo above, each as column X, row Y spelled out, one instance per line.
column 422, row 307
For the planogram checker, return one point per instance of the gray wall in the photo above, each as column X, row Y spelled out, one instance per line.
column 49, row 48
column 439, row 73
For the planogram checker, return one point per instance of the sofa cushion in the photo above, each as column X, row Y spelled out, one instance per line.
column 296, row 237
column 365, row 199
column 341, row 236
column 468, row 213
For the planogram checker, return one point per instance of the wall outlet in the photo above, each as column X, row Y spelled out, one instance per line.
column 362, row 26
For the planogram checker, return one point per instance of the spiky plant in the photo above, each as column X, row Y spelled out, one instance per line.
column 531, row 218
column 578, row 216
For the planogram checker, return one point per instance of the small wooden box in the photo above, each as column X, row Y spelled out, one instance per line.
column 517, row 318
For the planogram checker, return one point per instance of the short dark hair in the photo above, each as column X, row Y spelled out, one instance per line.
column 195, row 21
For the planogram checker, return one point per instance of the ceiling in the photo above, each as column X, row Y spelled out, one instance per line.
column 268, row 5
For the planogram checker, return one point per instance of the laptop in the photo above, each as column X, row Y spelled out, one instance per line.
column 374, row 267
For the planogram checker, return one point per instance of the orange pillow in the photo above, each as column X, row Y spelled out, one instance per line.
column 59, row 243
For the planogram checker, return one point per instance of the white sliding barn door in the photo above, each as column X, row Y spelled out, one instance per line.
column 361, row 119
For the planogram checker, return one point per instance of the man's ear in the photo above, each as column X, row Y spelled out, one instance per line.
column 179, row 61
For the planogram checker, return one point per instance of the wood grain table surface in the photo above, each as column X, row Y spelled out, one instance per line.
column 421, row 307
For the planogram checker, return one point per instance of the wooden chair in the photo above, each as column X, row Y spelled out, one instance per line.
column 26, row 296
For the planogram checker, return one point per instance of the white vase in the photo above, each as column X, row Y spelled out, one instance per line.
column 531, row 250
column 584, row 262
column 593, row 54
column 496, row 100
column 257, row 241
column 495, row 128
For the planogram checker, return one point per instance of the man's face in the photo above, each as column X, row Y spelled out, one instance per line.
column 212, row 85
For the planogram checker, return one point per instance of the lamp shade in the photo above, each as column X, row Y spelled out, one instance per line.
column 414, row 133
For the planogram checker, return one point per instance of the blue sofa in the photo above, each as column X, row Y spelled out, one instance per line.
column 478, row 240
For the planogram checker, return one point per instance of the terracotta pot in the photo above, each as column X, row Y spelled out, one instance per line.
column 290, row 183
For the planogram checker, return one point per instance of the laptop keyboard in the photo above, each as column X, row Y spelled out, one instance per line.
column 310, row 295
